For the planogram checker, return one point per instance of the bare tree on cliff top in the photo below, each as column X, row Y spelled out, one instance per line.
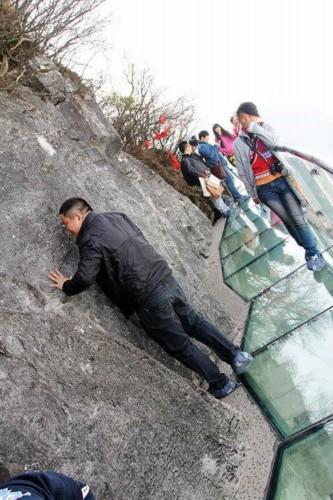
column 52, row 27
column 142, row 118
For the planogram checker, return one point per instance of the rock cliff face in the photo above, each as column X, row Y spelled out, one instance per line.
column 82, row 390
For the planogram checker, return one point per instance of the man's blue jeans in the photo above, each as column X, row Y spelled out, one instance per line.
column 279, row 197
column 229, row 180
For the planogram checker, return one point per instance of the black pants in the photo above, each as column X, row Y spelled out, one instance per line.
column 169, row 319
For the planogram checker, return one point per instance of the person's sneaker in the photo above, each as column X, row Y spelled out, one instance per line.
column 241, row 362
column 315, row 263
column 222, row 392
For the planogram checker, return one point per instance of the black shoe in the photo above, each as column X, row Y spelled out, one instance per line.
column 217, row 216
column 222, row 392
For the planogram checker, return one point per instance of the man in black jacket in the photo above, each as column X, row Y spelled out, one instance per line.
column 115, row 254
column 193, row 167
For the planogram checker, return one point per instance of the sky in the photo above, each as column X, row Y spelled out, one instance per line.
column 219, row 53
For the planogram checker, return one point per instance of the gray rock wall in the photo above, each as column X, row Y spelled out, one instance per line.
column 83, row 390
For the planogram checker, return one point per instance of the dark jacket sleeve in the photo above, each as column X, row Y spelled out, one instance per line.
column 210, row 154
column 186, row 163
column 88, row 268
column 189, row 173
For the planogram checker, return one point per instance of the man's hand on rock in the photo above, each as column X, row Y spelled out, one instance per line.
column 58, row 279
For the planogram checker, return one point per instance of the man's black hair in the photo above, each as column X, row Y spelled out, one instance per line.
column 223, row 132
column 181, row 146
column 202, row 134
column 193, row 141
column 249, row 108
column 78, row 204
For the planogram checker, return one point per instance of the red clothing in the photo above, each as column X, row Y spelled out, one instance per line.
column 174, row 162
column 261, row 163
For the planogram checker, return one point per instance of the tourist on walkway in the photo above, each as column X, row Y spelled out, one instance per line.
column 216, row 161
column 114, row 253
column 224, row 140
column 193, row 168
column 264, row 177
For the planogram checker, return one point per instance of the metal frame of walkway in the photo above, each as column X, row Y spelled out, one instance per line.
column 289, row 331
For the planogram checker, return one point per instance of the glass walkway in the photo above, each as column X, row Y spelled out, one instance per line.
column 290, row 333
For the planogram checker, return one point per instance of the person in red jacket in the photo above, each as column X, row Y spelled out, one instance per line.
column 265, row 179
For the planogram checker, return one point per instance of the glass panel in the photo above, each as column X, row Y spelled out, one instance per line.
column 324, row 240
column 237, row 240
column 323, row 191
column 267, row 270
column 244, row 218
column 293, row 377
column 253, row 248
column 316, row 184
column 289, row 304
column 238, row 183
column 235, row 172
column 305, row 471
